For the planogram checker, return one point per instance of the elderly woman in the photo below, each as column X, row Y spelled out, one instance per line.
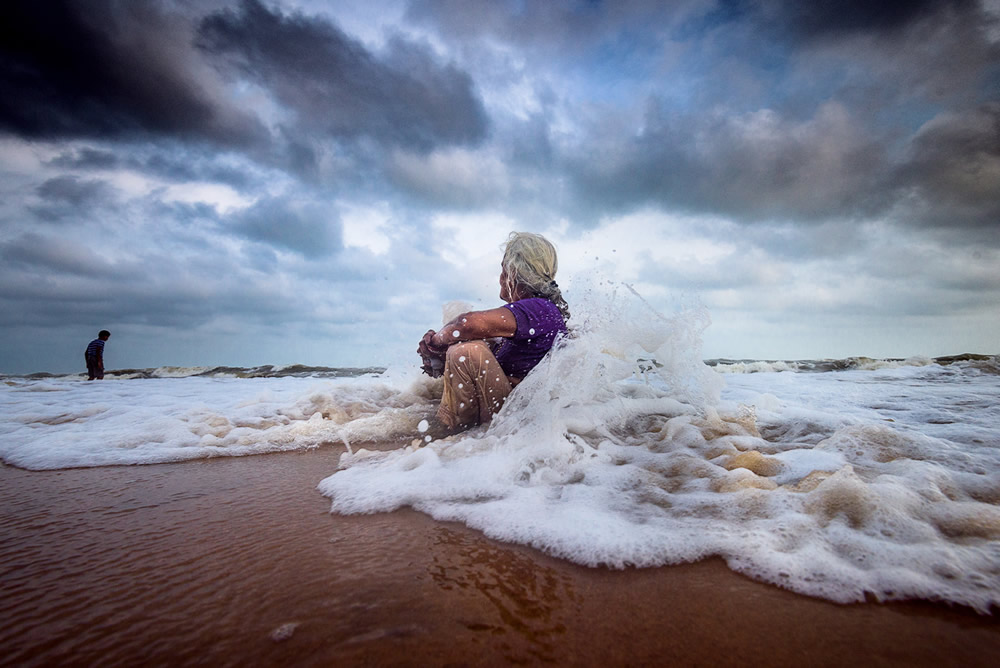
column 487, row 353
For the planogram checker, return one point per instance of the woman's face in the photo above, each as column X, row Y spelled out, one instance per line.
column 504, row 285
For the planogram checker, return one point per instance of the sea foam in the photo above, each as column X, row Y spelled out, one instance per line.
column 619, row 450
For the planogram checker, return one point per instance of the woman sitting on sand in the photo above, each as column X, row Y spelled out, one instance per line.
column 478, row 373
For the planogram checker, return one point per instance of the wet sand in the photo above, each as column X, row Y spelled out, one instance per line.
column 237, row 561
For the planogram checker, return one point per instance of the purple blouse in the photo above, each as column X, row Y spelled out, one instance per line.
column 539, row 326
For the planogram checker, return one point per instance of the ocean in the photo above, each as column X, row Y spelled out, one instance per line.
column 847, row 480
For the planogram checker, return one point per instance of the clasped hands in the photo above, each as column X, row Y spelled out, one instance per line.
column 432, row 355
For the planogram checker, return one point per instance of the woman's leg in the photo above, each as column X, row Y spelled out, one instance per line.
column 475, row 386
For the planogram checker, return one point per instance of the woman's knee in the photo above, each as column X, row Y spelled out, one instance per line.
column 467, row 352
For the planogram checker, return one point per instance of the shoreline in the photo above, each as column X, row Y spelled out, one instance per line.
column 237, row 560
column 818, row 364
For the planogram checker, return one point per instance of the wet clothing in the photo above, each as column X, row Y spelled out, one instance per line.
column 94, row 356
column 539, row 325
column 475, row 386
column 477, row 380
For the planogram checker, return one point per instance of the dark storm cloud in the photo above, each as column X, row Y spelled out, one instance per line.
column 87, row 158
column 69, row 198
column 939, row 55
column 831, row 133
column 764, row 112
column 238, row 177
column 833, row 19
column 51, row 256
column 74, row 191
column 952, row 177
column 764, row 168
column 105, row 69
column 756, row 167
column 336, row 86
column 175, row 301
column 51, row 281
column 184, row 212
column 177, row 164
column 560, row 28
column 309, row 229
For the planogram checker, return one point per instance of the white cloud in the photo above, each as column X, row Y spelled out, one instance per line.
column 223, row 198
column 365, row 226
column 455, row 177
column 18, row 157
column 624, row 245
column 472, row 244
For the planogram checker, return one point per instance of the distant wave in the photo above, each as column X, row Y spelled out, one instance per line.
column 986, row 363
column 265, row 371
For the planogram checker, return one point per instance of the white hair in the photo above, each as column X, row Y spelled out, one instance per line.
column 530, row 262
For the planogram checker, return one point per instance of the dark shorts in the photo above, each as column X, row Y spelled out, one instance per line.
column 95, row 369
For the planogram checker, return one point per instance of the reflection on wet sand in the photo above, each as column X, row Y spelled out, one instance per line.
column 528, row 599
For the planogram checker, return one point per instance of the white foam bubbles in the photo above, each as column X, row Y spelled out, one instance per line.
column 67, row 423
column 621, row 449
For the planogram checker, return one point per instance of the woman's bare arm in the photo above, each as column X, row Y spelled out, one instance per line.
column 477, row 325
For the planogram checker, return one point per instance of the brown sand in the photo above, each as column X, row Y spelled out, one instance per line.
column 238, row 562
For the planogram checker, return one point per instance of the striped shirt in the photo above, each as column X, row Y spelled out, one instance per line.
column 95, row 349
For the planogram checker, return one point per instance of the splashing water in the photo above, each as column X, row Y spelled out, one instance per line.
column 617, row 451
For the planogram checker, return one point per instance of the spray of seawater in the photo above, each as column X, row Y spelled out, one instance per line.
column 617, row 451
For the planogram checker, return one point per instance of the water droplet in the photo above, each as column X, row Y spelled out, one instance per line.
column 531, row 331
column 427, row 439
column 423, row 426
column 460, row 386
column 455, row 333
column 462, row 358
column 461, row 405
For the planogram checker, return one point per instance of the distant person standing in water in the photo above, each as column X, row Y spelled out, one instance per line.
column 486, row 353
column 95, row 356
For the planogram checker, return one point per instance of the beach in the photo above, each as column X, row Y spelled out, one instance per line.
column 238, row 561
column 444, row 333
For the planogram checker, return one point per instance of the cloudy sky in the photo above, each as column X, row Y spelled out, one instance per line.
column 245, row 182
